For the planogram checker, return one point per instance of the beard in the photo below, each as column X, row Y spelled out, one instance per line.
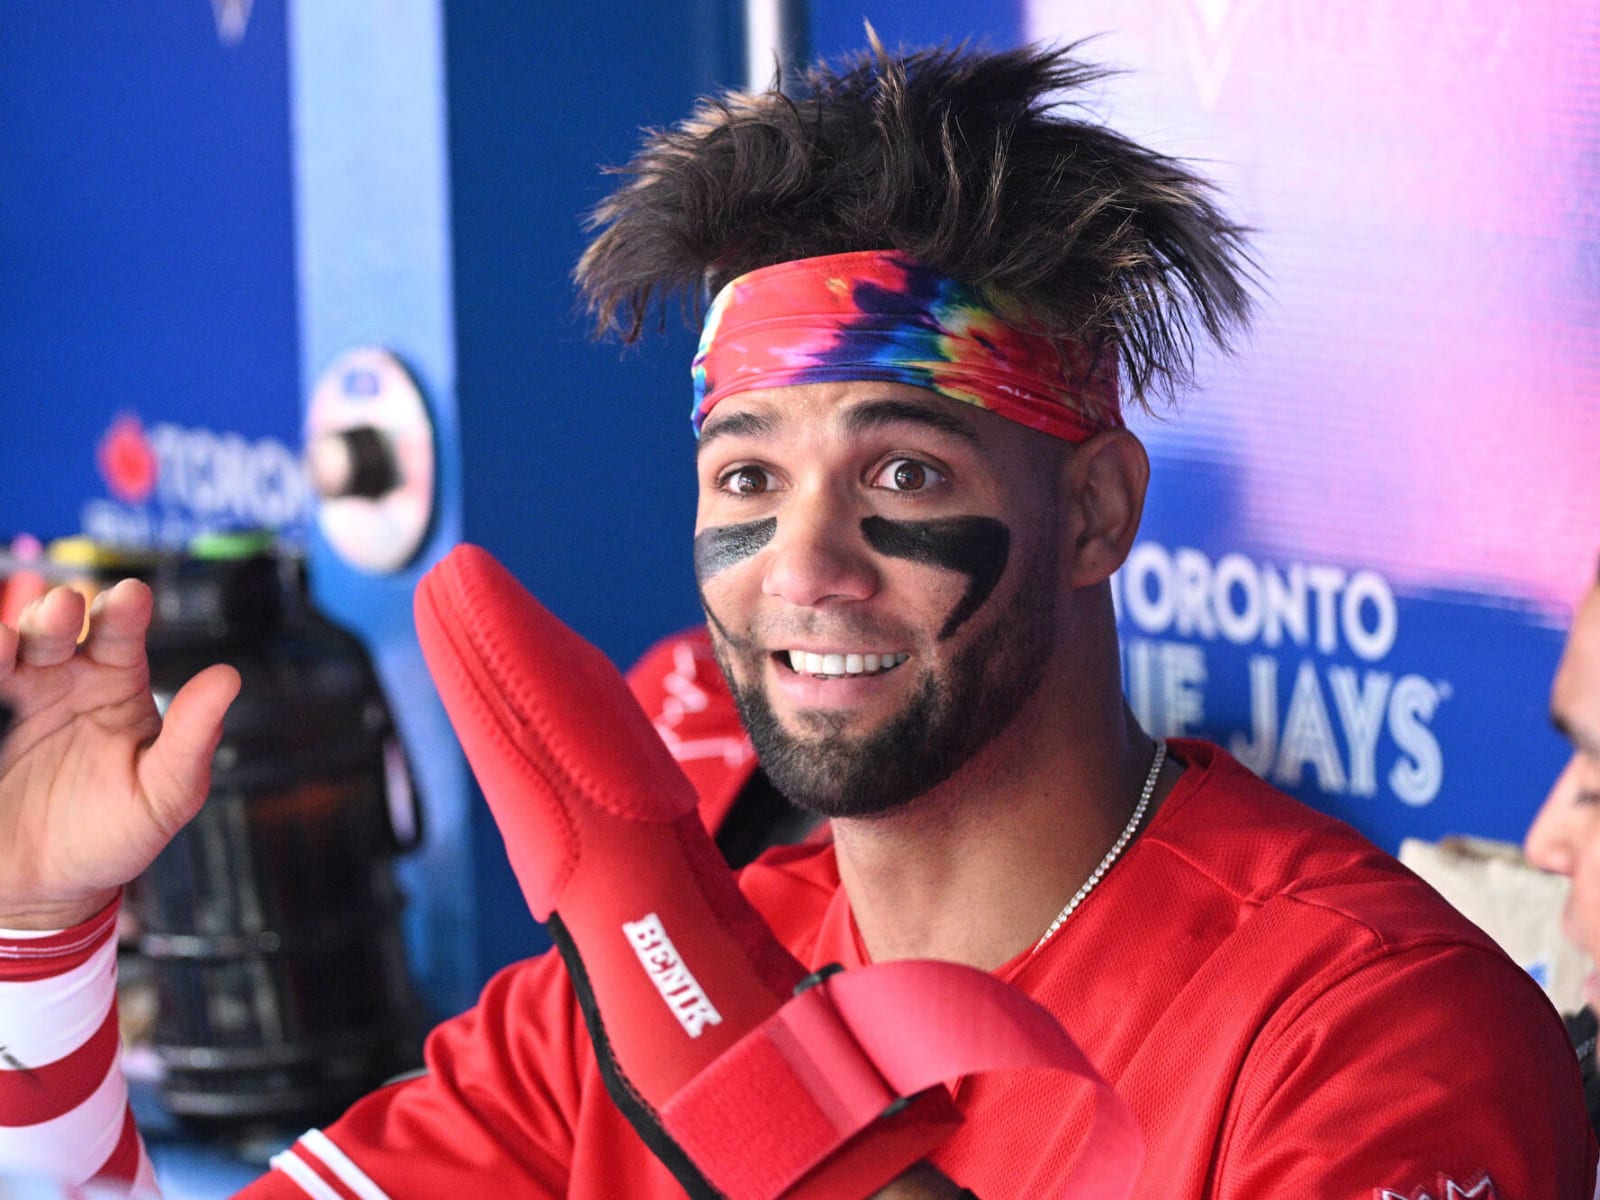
column 952, row 715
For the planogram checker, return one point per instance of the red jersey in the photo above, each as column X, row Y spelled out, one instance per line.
column 1286, row 1010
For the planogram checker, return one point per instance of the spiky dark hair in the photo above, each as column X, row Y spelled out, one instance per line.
column 970, row 161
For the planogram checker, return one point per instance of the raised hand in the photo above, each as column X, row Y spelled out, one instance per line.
column 93, row 781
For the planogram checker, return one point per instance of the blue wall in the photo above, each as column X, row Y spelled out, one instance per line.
column 579, row 456
column 146, row 249
column 837, row 25
column 442, row 175
column 443, row 164
column 193, row 226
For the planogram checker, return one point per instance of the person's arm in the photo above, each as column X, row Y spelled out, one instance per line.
column 504, row 1089
column 64, row 1110
column 1430, row 1066
column 93, row 783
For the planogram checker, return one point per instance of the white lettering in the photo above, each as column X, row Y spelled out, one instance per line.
column 1193, row 574
column 223, row 477
column 1376, row 729
column 1236, row 573
column 1141, row 695
column 1308, row 735
column 164, row 445
column 1264, row 717
column 201, row 454
column 1411, row 705
column 1183, row 674
column 1244, row 601
column 1325, row 584
column 1148, row 563
column 1368, row 587
column 1360, row 707
column 278, row 485
column 1284, row 606
column 113, row 525
column 672, row 978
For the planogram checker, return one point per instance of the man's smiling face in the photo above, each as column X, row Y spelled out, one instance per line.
column 879, row 566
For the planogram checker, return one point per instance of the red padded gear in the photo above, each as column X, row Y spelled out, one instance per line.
column 597, row 819
column 681, row 689
column 680, row 979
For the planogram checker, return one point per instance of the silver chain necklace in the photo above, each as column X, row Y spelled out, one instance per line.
column 1117, row 847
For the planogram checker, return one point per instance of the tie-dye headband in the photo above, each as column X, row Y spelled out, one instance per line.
column 879, row 315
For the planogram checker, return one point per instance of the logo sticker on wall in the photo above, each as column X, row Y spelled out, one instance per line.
column 1322, row 696
column 126, row 460
column 169, row 483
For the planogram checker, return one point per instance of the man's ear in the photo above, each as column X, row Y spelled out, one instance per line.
column 1105, row 479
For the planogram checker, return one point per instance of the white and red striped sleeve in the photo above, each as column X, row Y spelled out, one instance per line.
column 322, row 1171
column 64, row 1110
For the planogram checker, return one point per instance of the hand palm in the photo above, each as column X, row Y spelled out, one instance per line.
column 93, row 783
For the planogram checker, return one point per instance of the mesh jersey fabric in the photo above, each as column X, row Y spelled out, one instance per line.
column 1287, row 1010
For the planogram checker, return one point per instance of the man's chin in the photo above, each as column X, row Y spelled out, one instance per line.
column 827, row 730
column 830, row 767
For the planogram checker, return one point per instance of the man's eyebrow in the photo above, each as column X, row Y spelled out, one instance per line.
column 874, row 414
column 739, row 424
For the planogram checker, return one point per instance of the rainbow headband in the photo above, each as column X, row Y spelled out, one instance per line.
column 879, row 315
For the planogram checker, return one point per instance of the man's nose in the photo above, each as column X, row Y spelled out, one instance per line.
column 1551, row 841
column 818, row 554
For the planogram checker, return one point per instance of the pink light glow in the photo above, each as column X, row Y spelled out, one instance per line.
column 1423, row 393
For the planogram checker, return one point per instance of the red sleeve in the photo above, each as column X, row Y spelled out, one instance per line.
column 681, row 689
column 498, row 1100
column 1444, row 1075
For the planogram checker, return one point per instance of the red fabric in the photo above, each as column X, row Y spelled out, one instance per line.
column 880, row 314
column 1287, row 1012
column 24, row 960
column 828, row 1063
column 275, row 1185
column 48, row 1090
column 899, row 1009
column 123, row 1164
column 681, row 689
column 326, row 1175
column 605, row 832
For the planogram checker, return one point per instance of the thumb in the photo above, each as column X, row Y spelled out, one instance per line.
column 175, row 771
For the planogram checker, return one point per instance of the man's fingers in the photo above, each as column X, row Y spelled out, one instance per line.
column 118, row 619
column 176, row 770
column 49, row 628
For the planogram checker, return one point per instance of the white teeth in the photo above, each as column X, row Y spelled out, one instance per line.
column 803, row 662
